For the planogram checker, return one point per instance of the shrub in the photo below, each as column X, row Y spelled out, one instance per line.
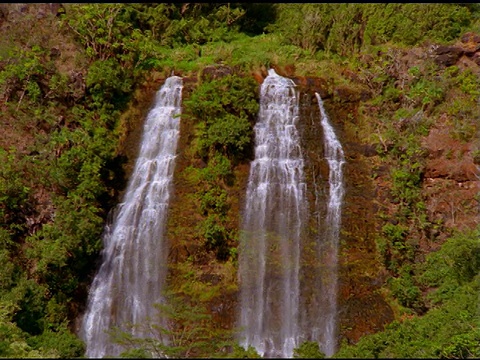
column 224, row 110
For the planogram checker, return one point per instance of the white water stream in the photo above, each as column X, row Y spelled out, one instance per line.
column 131, row 277
column 329, row 247
column 273, row 220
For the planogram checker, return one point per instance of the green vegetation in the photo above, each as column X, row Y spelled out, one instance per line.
column 223, row 112
column 188, row 327
column 348, row 28
column 67, row 78
column 450, row 328
column 308, row 350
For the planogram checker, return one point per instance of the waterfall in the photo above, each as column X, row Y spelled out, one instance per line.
column 329, row 247
column 131, row 277
column 273, row 220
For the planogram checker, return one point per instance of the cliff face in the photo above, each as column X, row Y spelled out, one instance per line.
column 449, row 187
column 362, row 309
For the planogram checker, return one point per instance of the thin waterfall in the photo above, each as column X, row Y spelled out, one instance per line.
column 329, row 247
column 273, row 220
column 131, row 277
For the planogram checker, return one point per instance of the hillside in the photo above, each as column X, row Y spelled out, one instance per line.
column 400, row 83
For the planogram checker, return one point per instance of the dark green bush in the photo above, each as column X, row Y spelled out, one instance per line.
column 348, row 28
column 308, row 350
column 224, row 110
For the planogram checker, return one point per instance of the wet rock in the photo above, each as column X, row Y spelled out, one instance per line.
column 367, row 150
column 470, row 37
column 346, row 94
column 472, row 50
column 286, row 71
column 447, row 55
column 476, row 58
column 216, row 71
column 258, row 76
column 312, row 85
column 368, row 313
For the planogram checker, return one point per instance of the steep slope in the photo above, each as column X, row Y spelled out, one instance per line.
column 408, row 118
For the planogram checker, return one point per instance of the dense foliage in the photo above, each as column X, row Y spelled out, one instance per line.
column 223, row 111
column 450, row 329
column 348, row 28
column 58, row 182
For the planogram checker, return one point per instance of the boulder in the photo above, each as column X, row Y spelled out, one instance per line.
column 470, row 37
column 447, row 55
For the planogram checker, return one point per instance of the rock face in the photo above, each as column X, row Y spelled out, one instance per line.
column 451, row 180
column 450, row 186
column 361, row 309
column 469, row 47
column 447, row 55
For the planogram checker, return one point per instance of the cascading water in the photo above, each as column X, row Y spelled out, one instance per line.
column 328, row 249
column 273, row 221
column 131, row 277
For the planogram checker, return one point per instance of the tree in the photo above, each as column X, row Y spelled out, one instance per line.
column 183, row 329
